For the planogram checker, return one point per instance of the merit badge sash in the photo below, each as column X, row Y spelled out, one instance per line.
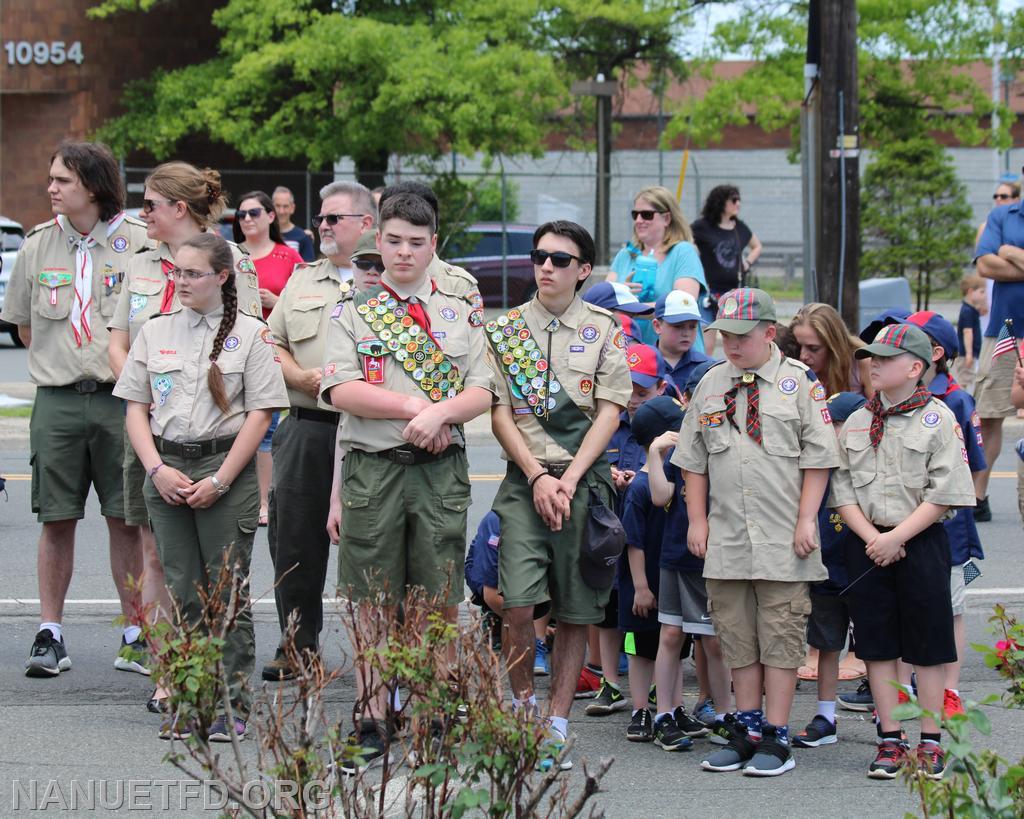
column 398, row 335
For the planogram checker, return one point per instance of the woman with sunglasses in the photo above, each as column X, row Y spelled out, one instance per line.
column 181, row 202
column 201, row 382
column 660, row 257
column 257, row 230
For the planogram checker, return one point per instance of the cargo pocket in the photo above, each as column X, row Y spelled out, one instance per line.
column 359, row 519
column 451, row 525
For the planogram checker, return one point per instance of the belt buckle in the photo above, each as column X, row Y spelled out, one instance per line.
column 557, row 470
column 404, row 457
column 85, row 386
column 191, row 450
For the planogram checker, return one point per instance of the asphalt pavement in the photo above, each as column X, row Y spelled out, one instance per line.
column 90, row 724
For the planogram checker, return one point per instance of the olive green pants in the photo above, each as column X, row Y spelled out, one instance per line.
column 191, row 544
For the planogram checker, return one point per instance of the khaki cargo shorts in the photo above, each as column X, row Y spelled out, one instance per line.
column 992, row 389
column 760, row 621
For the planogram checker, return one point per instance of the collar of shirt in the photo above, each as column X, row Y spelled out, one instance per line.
column 212, row 318
column 767, row 371
column 421, row 290
column 571, row 317
column 940, row 385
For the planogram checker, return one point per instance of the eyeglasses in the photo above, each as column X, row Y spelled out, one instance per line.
column 734, row 199
column 559, row 258
column 366, row 265
column 998, row 196
column 191, row 275
column 646, row 215
column 149, row 205
column 252, row 213
column 333, row 218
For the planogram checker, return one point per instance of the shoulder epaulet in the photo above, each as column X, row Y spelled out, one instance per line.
column 600, row 310
column 450, row 293
column 51, row 223
column 134, row 220
column 236, row 246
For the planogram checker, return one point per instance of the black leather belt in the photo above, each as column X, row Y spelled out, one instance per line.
column 89, row 385
column 413, row 455
column 555, row 470
column 323, row 416
column 193, row 449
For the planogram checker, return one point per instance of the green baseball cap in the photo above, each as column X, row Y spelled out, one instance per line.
column 895, row 339
column 367, row 245
column 741, row 310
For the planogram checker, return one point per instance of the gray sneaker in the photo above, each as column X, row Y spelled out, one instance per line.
column 48, row 656
column 772, row 758
column 736, row 754
column 133, row 657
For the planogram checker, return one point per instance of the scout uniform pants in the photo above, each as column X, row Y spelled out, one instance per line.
column 191, row 544
column 304, row 449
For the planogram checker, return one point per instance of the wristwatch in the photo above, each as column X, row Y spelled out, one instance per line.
column 222, row 489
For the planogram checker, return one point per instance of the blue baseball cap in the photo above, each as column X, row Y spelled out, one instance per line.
column 842, row 405
column 615, row 296
column 894, row 315
column 939, row 329
column 659, row 415
column 676, row 307
column 646, row 365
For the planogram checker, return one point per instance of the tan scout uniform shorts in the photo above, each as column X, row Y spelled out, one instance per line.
column 992, row 391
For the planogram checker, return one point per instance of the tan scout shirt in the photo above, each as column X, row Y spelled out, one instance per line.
column 145, row 282
column 755, row 490
column 921, row 458
column 461, row 343
column 167, row 367
column 586, row 356
column 302, row 314
column 459, row 282
column 55, row 359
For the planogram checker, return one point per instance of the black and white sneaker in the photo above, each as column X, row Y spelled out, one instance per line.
column 366, row 748
column 693, row 728
column 133, row 657
column 738, row 751
column 773, row 757
column 48, row 656
column 641, row 727
column 668, row 737
column 819, row 731
column 608, row 700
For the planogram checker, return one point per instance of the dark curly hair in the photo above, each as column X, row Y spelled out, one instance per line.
column 714, row 205
column 268, row 205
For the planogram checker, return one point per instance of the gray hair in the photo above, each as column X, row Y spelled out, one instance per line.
column 362, row 199
column 283, row 189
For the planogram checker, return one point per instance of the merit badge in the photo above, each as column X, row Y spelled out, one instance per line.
column 576, row 348
column 373, row 369
column 729, row 307
column 586, row 385
column 931, row 419
column 231, row 343
column 448, row 314
column 589, row 333
column 959, row 432
column 163, row 385
column 330, row 368
column 818, row 392
column 267, row 336
column 826, row 416
column 120, row 244
column 788, row 386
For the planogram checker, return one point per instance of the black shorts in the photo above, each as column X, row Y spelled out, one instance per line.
column 903, row 610
column 829, row 623
column 611, row 611
column 644, row 644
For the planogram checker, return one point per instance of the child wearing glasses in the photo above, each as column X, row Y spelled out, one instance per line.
column 201, row 382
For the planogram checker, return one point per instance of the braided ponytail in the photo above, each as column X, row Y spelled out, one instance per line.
column 219, row 254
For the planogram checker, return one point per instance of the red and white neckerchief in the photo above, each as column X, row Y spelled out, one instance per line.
column 83, row 273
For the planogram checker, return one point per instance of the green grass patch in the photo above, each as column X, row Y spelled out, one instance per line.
column 15, row 412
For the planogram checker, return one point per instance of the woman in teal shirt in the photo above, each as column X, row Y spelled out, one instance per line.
column 661, row 255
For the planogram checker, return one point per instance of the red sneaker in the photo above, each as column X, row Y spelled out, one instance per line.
column 931, row 760
column 902, row 697
column 951, row 704
column 588, row 684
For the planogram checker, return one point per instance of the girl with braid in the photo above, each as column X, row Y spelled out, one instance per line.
column 201, row 382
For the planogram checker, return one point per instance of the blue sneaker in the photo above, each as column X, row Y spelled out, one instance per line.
column 541, row 668
column 623, row 664
column 705, row 712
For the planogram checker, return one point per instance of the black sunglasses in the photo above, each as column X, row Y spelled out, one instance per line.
column 366, row 265
column 734, row 199
column 646, row 215
column 997, row 196
column 149, row 205
column 333, row 218
column 252, row 213
column 559, row 258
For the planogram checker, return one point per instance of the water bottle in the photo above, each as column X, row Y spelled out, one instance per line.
column 645, row 273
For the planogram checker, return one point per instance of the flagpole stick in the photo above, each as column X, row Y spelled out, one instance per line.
column 1016, row 346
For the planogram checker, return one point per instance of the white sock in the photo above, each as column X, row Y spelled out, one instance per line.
column 560, row 724
column 907, row 689
column 954, row 690
column 131, row 634
column 828, row 710
column 396, row 700
column 54, row 629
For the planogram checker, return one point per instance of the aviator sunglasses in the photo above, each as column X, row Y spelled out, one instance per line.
column 333, row 218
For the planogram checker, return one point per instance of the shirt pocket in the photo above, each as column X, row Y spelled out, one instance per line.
column 714, row 428
column 165, row 376
column 582, row 368
column 304, row 323
column 109, row 290
column 54, row 302
column 863, row 460
column 232, row 370
column 914, row 462
column 780, row 430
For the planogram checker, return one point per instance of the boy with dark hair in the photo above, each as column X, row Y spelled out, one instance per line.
column 903, row 467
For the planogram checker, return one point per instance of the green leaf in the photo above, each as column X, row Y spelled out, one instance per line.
column 979, row 719
column 907, row 711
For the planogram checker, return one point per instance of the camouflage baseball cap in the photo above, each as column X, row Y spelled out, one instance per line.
column 741, row 310
column 367, row 245
column 895, row 339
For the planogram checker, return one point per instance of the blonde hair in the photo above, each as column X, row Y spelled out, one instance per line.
column 969, row 283
column 678, row 229
column 829, row 327
column 199, row 190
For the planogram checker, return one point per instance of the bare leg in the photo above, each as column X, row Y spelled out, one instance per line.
column 667, row 672
column 568, row 660
column 371, row 694
column 126, row 566
column 992, row 436
column 881, row 675
column 611, row 643
column 930, row 680
column 828, row 675
column 264, row 471
column 748, row 683
column 700, row 662
column 903, row 673
column 156, row 600
column 779, row 689
column 719, row 678
column 56, row 563
column 953, row 669
column 641, row 672
column 540, row 627
column 594, row 646
column 520, row 634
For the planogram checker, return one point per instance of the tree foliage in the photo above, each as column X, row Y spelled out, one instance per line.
column 915, row 217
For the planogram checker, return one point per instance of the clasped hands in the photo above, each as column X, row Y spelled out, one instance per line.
column 429, row 427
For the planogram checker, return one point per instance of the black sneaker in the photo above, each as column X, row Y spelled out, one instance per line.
column 889, row 761
column 738, row 751
column 982, row 511
column 773, row 757
column 719, row 733
column 278, row 670
column 859, row 700
column 693, row 728
column 365, row 749
column 608, row 701
column 668, row 737
column 819, row 731
column 48, row 656
column 641, row 727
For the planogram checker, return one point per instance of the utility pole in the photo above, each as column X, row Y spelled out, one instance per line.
column 838, row 224
column 810, row 143
column 603, row 90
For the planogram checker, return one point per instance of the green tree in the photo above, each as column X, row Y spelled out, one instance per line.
column 916, row 221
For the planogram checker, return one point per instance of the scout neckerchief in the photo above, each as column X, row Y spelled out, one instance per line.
column 167, row 301
column 920, row 397
column 531, row 378
column 749, row 381
column 83, row 273
column 394, row 323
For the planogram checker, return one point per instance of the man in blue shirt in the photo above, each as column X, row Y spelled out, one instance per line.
column 678, row 323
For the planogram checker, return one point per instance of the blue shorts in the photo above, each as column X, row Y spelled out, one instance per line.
column 269, row 436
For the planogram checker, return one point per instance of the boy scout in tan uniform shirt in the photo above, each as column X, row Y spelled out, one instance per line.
column 304, row 452
column 459, row 282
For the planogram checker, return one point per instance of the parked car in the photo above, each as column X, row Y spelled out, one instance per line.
column 478, row 250
column 12, row 236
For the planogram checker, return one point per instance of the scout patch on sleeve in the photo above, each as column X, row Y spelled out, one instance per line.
column 619, row 339
column 826, row 416
column 818, row 392
column 589, row 333
column 254, row 309
column 963, row 451
column 337, row 310
column 586, row 386
column 254, row 283
column 231, row 343
column 931, row 419
column 788, row 386
column 476, row 318
column 959, row 432
column 330, row 369
column 245, row 265
column 711, row 420
column 373, row 369
column 267, row 336
column 372, row 347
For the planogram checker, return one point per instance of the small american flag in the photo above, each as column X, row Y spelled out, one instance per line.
column 1005, row 342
